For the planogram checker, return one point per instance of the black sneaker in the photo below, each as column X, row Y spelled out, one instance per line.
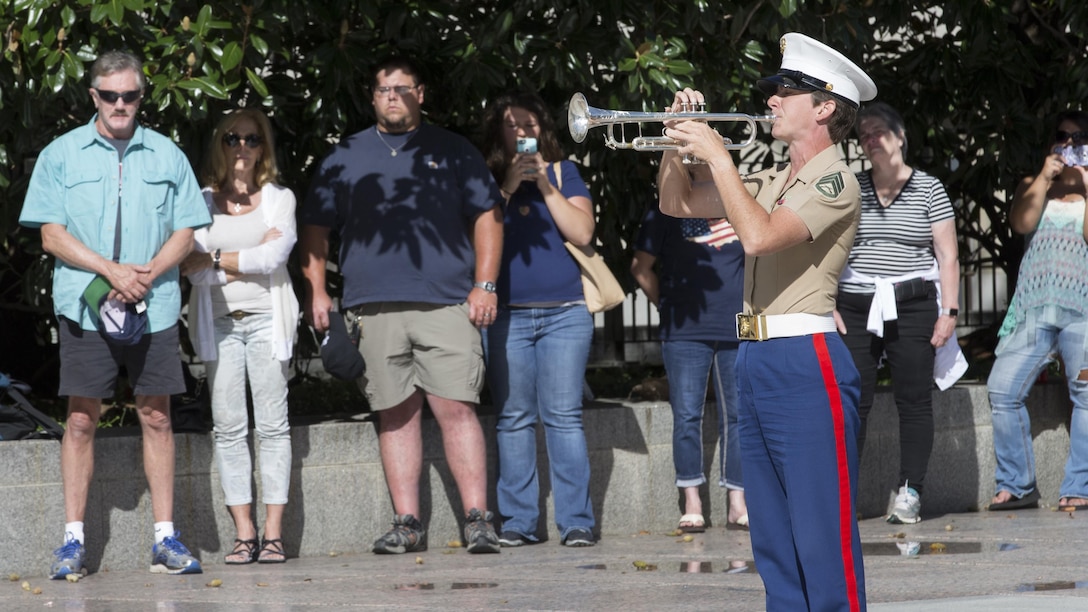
column 479, row 534
column 512, row 539
column 407, row 535
column 579, row 538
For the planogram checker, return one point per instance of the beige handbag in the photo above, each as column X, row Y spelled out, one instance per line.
column 602, row 290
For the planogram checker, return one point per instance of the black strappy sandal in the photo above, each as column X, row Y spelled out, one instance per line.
column 248, row 548
column 270, row 548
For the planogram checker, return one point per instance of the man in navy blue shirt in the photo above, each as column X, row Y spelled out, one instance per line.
column 417, row 213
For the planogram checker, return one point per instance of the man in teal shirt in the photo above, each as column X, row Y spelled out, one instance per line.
column 116, row 200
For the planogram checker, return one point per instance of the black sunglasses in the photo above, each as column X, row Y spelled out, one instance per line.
column 252, row 141
column 111, row 97
column 1079, row 138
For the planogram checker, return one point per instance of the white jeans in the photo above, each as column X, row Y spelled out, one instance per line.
column 245, row 346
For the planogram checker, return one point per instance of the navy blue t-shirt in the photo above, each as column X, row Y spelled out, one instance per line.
column 405, row 221
column 536, row 267
column 701, row 286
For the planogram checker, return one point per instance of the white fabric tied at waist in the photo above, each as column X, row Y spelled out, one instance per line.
column 949, row 364
column 766, row 327
column 883, row 307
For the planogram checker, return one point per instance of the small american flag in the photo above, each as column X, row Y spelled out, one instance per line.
column 712, row 232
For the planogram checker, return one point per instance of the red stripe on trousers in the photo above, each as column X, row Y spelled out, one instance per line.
column 827, row 370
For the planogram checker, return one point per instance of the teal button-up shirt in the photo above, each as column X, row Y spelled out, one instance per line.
column 79, row 181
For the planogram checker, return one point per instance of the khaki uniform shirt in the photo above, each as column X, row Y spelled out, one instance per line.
column 804, row 278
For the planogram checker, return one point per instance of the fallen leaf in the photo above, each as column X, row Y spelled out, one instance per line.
column 262, row 584
column 13, row 577
column 453, row 544
column 37, row 591
column 937, row 547
column 26, row 585
column 333, row 553
column 687, row 538
column 215, row 583
column 949, row 527
column 73, row 577
column 419, row 560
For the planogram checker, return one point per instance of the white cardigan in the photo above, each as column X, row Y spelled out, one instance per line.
column 278, row 210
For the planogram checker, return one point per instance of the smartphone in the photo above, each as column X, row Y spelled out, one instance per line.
column 527, row 145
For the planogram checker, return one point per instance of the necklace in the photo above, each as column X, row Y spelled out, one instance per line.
column 393, row 151
column 237, row 204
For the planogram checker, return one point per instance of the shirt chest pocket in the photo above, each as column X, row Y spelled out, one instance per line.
column 85, row 196
column 157, row 193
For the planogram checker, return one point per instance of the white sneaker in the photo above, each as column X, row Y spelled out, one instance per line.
column 907, row 508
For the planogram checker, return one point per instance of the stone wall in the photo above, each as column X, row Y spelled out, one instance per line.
column 339, row 502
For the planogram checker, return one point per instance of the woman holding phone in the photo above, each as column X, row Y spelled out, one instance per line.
column 1047, row 318
column 538, row 346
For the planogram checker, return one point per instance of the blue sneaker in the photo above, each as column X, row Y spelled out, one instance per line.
column 171, row 557
column 69, row 560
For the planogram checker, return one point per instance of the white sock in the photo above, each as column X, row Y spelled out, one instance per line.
column 163, row 530
column 73, row 531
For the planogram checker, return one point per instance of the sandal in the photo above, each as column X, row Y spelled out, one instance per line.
column 244, row 553
column 1072, row 504
column 695, row 523
column 741, row 523
column 1028, row 500
column 272, row 552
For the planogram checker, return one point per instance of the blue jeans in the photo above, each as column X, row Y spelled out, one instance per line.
column 688, row 364
column 536, row 363
column 245, row 351
column 1021, row 356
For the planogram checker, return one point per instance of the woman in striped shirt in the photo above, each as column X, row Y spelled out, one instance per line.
column 899, row 292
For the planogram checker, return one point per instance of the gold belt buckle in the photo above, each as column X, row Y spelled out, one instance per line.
column 751, row 327
column 238, row 315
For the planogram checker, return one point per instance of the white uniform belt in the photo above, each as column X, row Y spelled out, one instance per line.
column 765, row 327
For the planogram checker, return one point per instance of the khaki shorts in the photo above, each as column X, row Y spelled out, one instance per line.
column 413, row 345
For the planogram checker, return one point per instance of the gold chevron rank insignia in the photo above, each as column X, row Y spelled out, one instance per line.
column 831, row 185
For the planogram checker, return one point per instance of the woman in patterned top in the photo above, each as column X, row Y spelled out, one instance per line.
column 899, row 292
column 1047, row 315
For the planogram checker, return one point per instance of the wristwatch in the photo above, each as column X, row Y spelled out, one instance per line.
column 216, row 259
column 952, row 312
column 487, row 286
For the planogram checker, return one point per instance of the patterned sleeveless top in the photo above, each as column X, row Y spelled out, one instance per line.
column 1054, row 270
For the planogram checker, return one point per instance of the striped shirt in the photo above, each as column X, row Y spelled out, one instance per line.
column 897, row 240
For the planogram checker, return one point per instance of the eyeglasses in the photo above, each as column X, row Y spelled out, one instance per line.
column 1079, row 138
column 400, row 90
column 251, row 141
column 111, row 97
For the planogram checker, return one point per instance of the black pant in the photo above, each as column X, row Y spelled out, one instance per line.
column 910, row 357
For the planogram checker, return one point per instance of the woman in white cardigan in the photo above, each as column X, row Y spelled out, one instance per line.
column 243, row 315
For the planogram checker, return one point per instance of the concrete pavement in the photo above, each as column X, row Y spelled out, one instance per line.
column 1023, row 561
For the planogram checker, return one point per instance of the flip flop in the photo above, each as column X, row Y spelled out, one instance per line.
column 1028, row 500
column 1068, row 507
column 695, row 523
